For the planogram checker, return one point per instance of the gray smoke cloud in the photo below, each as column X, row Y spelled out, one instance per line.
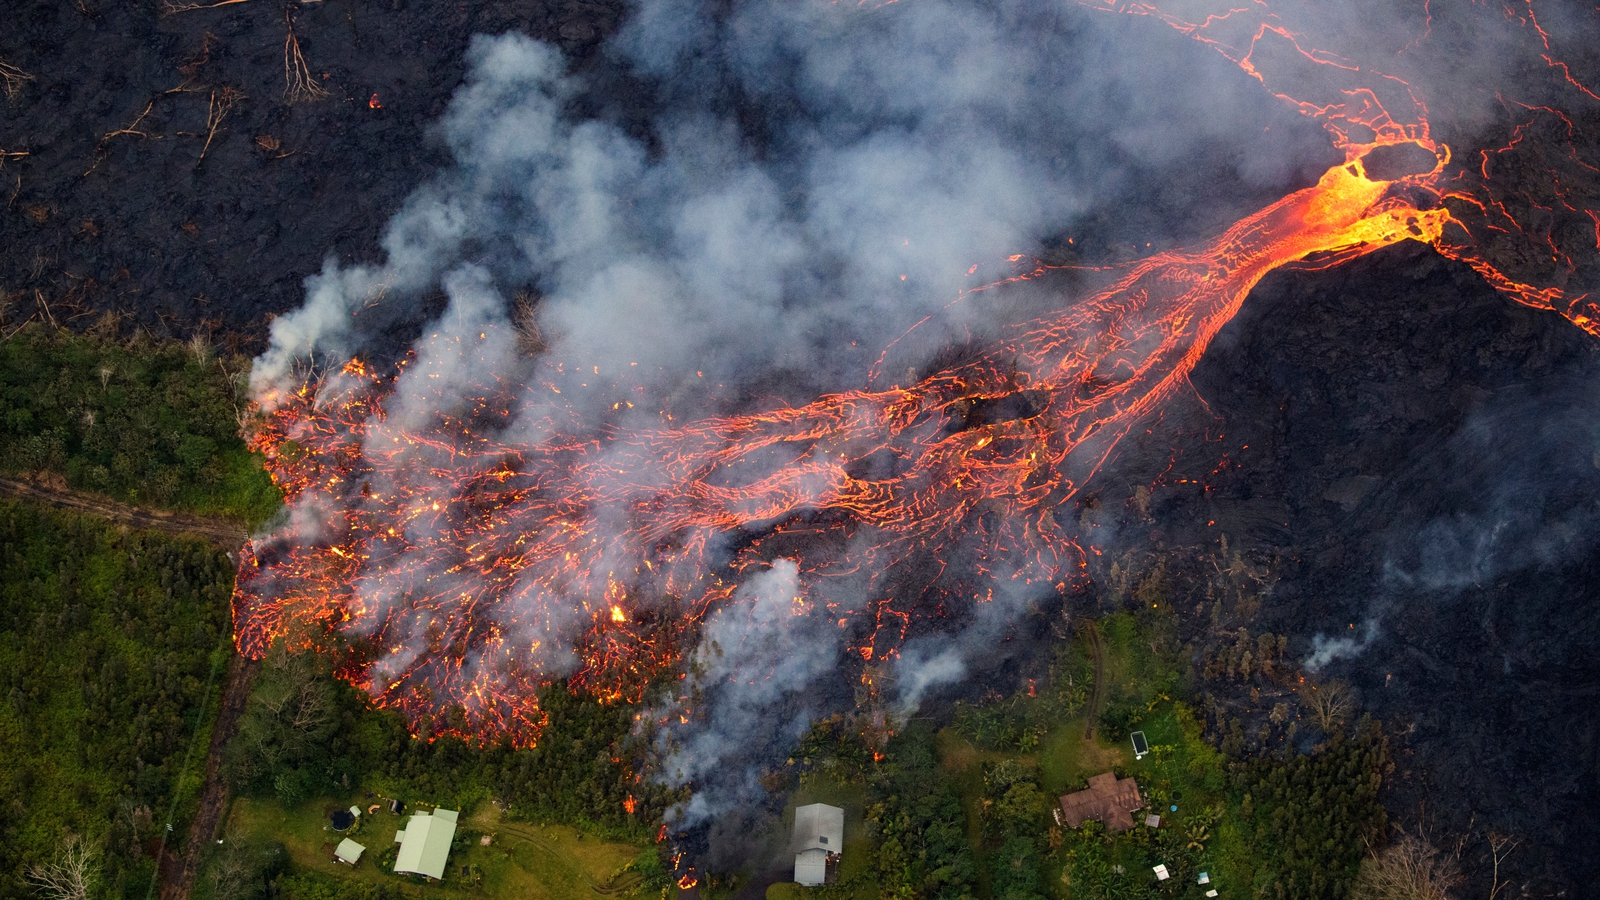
column 810, row 182
column 763, row 649
column 1325, row 649
column 1514, row 480
column 915, row 142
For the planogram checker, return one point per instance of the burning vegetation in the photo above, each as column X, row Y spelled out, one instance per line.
column 471, row 569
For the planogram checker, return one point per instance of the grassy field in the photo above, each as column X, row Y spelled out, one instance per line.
column 522, row 860
column 1067, row 758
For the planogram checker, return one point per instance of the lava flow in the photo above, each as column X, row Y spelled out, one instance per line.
column 468, row 571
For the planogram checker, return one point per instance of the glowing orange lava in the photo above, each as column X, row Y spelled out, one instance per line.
column 488, row 555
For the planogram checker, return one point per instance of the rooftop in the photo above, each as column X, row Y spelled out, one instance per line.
column 348, row 851
column 818, row 827
column 425, row 844
column 1109, row 799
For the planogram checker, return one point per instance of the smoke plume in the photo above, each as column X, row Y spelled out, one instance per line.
column 1506, row 496
column 806, row 185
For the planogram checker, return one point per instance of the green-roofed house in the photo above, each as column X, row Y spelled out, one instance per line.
column 425, row 844
column 348, row 852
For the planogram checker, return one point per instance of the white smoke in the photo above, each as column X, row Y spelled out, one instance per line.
column 1325, row 650
column 1505, row 496
column 934, row 661
column 811, row 181
column 764, row 650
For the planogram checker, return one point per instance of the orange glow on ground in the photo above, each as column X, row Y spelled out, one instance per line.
column 514, row 529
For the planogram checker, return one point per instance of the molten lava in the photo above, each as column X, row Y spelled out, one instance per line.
column 463, row 567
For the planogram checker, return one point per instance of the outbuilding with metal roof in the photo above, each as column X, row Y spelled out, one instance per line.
column 425, row 843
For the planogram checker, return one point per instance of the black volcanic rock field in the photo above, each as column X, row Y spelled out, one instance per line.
column 113, row 208
column 1423, row 455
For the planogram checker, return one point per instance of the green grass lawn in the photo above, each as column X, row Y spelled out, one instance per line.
column 1066, row 759
column 522, row 860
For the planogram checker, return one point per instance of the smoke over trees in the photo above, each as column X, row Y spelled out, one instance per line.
column 800, row 188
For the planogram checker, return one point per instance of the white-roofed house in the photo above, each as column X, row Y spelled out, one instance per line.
column 818, row 837
column 425, row 844
column 348, row 852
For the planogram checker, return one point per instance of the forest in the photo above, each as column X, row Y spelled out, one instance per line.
column 112, row 644
column 306, row 736
column 955, row 808
column 149, row 423
column 965, row 810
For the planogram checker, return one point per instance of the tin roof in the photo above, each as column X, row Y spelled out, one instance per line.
column 811, row 867
column 348, row 851
column 425, row 844
column 818, row 827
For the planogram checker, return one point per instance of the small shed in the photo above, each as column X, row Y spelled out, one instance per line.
column 425, row 843
column 348, row 852
column 818, row 838
column 1108, row 799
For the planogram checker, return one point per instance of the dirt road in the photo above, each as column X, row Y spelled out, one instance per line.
column 222, row 532
column 1091, row 635
column 180, row 865
column 180, row 862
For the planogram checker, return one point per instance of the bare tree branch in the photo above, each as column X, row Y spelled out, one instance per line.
column 70, row 874
column 1500, row 847
column 300, row 85
column 169, row 7
column 530, row 338
column 1409, row 869
column 1330, row 703
column 12, row 79
column 222, row 101
column 313, row 709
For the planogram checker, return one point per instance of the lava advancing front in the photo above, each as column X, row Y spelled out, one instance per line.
column 469, row 572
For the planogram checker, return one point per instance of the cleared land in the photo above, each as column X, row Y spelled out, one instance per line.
column 521, row 859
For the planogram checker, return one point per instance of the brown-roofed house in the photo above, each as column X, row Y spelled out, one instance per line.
column 1109, row 799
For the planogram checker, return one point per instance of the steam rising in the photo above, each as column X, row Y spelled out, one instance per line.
column 812, row 183
column 757, row 652
column 1528, row 462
